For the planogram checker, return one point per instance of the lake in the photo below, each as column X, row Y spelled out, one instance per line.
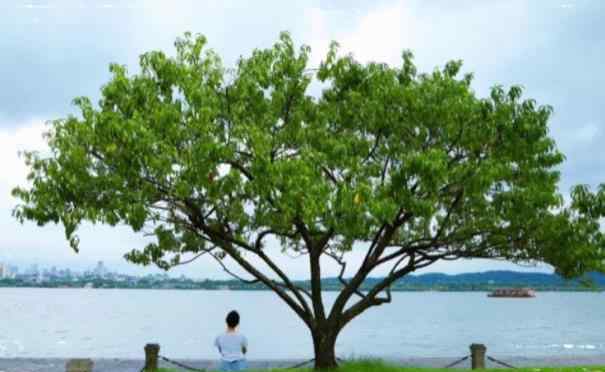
column 118, row 323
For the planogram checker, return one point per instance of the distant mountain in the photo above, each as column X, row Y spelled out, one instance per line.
column 497, row 278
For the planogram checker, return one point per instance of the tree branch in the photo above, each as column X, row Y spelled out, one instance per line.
column 343, row 268
column 315, row 269
column 371, row 298
column 329, row 174
column 190, row 260
column 240, row 168
column 381, row 240
column 222, row 264
column 226, row 242
column 374, row 147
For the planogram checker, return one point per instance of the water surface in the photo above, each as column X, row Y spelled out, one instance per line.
column 118, row 323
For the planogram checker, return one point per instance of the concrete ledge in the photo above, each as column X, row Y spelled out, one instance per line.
column 134, row 365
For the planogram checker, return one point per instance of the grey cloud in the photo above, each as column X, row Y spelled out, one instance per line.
column 53, row 54
column 564, row 71
column 54, row 51
column 557, row 58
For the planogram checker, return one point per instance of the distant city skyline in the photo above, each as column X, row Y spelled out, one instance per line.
column 122, row 267
column 98, row 267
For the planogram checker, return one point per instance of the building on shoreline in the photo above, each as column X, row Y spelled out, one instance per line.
column 7, row 271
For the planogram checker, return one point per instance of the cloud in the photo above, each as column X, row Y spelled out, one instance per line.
column 381, row 35
column 37, row 6
column 56, row 54
column 46, row 244
column 27, row 136
column 585, row 135
column 489, row 36
column 377, row 36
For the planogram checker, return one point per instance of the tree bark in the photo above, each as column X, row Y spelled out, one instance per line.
column 324, row 343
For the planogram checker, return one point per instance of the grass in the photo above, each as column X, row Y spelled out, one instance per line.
column 377, row 366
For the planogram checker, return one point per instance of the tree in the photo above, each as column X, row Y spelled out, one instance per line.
column 410, row 168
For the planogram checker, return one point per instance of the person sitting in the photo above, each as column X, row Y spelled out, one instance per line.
column 232, row 345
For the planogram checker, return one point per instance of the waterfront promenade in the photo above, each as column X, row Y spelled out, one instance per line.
column 134, row 365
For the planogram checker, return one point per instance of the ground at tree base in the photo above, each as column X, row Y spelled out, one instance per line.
column 548, row 364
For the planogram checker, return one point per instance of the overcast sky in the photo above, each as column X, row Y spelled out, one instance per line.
column 52, row 51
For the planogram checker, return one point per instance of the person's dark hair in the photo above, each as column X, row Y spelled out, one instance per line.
column 232, row 319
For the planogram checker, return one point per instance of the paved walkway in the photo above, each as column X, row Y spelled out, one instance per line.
column 135, row 365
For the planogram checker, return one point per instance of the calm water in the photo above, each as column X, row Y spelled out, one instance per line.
column 117, row 323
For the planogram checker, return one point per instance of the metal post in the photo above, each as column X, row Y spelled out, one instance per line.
column 151, row 357
column 478, row 356
column 79, row 365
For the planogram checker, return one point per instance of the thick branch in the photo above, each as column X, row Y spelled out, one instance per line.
column 371, row 298
column 298, row 309
column 226, row 242
column 343, row 269
column 315, row 269
column 379, row 244
column 287, row 282
column 316, row 294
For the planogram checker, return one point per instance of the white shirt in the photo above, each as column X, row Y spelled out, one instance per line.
column 231, row 345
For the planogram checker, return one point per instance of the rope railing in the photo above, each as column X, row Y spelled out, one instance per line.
column 500, row 362
column 182, row 365
column 190, row 368
column 477, row 358
column 457, row 362
column 298, row 365
column 301, row 364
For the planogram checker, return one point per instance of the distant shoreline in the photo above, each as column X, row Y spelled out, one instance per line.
column 469, row 282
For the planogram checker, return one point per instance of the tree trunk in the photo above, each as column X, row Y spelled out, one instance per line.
column 324, row 342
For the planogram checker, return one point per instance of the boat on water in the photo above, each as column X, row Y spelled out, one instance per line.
column 513, row 293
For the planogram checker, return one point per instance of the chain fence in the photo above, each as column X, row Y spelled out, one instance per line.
column 504, row 364
column 298, row 365
column 492, row 359
column 182, row 365
column 190, row 368
column 176, row 363
column 457, row 362
column 301, row 364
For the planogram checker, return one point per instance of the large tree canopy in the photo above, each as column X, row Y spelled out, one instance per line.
column 411, row 168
